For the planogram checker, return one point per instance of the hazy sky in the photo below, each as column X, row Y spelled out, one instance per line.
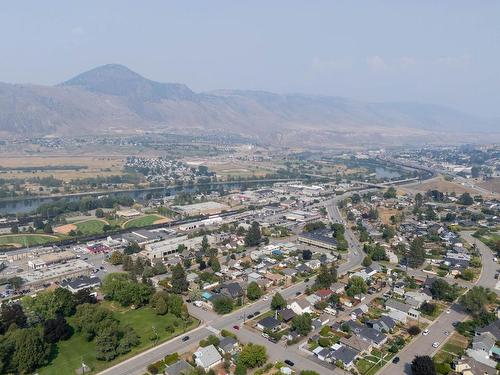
column 443, row 52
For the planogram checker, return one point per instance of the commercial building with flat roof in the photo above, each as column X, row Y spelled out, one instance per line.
column 318, row 238
column 169, row 246
column 56, row 272
column 204, row 208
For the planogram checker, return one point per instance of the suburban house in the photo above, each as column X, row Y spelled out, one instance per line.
column 484, row 349
column 269, row 323
column 207, row 357
column 416, row 299
column 338, row 288
column 300, row 307
column 232, row 290
column 286, row 315
column 345, row 355
column 401, row 311
column 383, row 324
column 181, row 367
column 229, row 345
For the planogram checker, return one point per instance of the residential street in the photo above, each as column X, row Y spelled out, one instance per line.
column 490, row 267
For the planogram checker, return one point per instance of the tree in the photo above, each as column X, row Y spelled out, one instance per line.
column 14, row 229
column 278, row 302
column 423, row 365
column 159, row 302
column 205, row 246
column 223, row 305
column 441, row 290
column 302, row 324
column 308, row 372
column 355, row 286
column 465, row 199
column 367, row 261
column 416, row 255
column 15, row 282
column 476, row 300
column 254, row 292
column 91, row 319
column 84, row 296
column 428, row 308
column 326, row 276
column 48, row 304
column 48, row 229
column 414, row 330
column 132, row 248
column 119, row 287
column 467, row 274
column 56, row 329
column 240, row 369
column 388, row 232
column 306, row 254
column 390, row 193
column 116, row 258
column 179, row 283
column 159, row 268
column 99, row 213
column 30, row 351
column 106, row 343
column 214, row 264
column 11, row 314
column 252, row 356
column 128, row 340
column 355, row 198
column 253, row 236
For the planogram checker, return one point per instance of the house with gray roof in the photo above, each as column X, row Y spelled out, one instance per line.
column 345, row 355
column 383, row 324
column 181, row 367
column 228, row 344
column 400, row 311
column 207, row 357
column 232, row 290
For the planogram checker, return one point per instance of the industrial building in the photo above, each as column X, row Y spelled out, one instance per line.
column 204, row 208
column 162, row 249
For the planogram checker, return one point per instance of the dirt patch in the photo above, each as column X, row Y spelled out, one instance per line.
column 385, row 214
column 491, row 185
column 443, row 186
column 65, row 229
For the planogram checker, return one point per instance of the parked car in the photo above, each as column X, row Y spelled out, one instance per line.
column 298, row 293
column 185, row 338
column 395, row 360
column 289, row 363
column 236, row 327
column 256, row 313
column 426, row 332
column 435, row 344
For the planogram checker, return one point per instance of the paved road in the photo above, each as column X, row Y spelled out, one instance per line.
column 490, row 267
column 355, row 254
column 210, row 320
column 423, row 344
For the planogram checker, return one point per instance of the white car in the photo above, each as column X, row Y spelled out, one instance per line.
column 435, row 345
column 426, row 332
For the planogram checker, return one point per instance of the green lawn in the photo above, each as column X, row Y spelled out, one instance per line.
column 26, row 239
column 91, row 226
column 69, row 354
column 142, row 221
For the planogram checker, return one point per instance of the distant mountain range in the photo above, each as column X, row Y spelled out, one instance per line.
column 112, row 99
